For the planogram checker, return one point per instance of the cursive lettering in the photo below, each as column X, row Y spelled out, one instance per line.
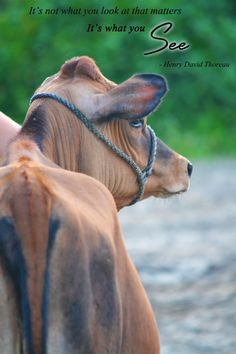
column 165, row 44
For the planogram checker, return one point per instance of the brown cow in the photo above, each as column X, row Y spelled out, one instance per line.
column 67, row 284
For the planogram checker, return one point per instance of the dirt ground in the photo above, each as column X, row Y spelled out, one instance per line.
column 185, row 251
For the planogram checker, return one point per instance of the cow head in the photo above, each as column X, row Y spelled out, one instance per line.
column 120, row 112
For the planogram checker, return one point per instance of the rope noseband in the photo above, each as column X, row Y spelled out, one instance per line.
column 142, row 176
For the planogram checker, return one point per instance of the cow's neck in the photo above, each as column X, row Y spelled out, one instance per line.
column 63, row 139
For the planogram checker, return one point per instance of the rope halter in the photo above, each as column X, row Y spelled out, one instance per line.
column 142, row 175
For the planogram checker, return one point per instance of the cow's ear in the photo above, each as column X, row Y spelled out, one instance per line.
column 133, row 99
column 69, row 67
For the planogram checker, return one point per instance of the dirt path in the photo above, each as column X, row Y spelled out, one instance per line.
column 185, row 251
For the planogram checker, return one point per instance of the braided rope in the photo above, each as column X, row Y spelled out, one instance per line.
column 141, row 175
column 153, row 151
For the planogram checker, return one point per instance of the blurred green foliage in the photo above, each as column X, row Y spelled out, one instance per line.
column 197, row 116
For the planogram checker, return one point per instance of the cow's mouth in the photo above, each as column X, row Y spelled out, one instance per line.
column 165, row 193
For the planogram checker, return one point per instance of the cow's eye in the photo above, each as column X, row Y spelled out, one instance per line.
column 138, row 123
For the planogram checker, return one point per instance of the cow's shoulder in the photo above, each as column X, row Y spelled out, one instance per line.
column 87, row 217
column 84, row 261
column 80, row 193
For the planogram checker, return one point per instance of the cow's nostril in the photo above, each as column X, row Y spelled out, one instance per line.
column 190, row 169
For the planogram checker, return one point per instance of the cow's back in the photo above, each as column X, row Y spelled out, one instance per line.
column 24, row 216
column 57, row 267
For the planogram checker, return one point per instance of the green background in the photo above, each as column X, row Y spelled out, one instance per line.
column 196, row 117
